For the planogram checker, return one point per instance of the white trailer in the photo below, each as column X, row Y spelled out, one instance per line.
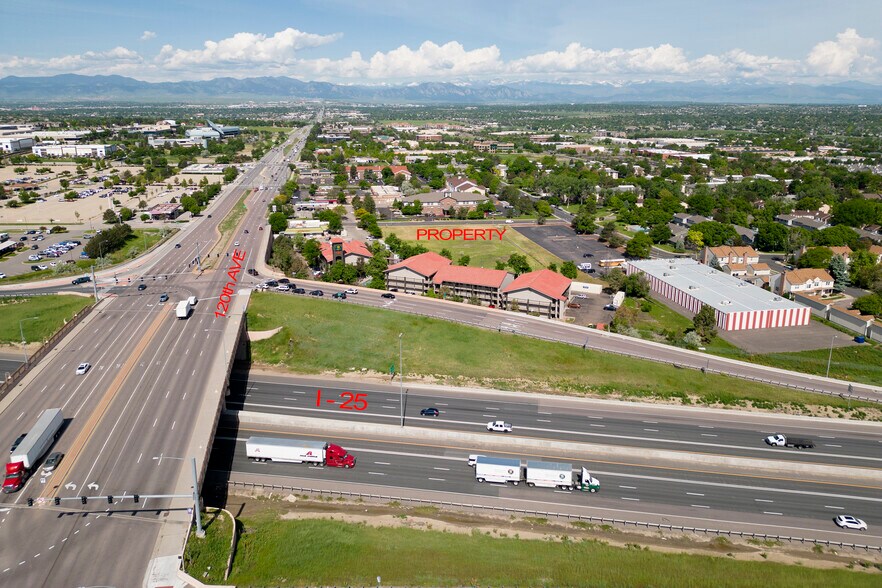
column 39, row 439
column 618, row 299
column 285, row 450
column 498, row 469
column 549, row 474
column 183, row 309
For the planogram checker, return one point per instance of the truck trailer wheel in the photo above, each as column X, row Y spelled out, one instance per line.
column 514, row 483
column 531, row 484
column 481, row 480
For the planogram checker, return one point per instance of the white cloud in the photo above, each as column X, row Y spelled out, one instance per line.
column 147, row 35
column 243, row 49
column 578, row 59
column 844, row 56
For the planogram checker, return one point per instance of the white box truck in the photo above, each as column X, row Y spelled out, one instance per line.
column 298, row 451
column 498, row 469
column 34, row 446
column 549, row 474
column 183, row 309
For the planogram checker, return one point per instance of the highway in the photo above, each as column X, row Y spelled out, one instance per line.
column 130, row 418
column 678, row 496
column 687, row 429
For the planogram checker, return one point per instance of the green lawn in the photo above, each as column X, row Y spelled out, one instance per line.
column 319, row 336
column 51, row 312
column 660, row 318
column 273, row 552
column 484, row 253
column 206, row 559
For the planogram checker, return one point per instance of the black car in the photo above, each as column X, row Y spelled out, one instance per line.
column 316, row 293
column 587, row 255
column 142, row 287
column 35, row 268
column 23, row 239
column 284, row 281
column 252, row 271
column 17, row 442
column 298, row 291
column 163, row 298
column 340, row 295
column 432, row 412
column 246, row 231
column 272, row 284
column 177, row 245
column 387, row 295
column 209, row 216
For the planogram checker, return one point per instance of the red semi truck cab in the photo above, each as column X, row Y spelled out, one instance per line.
column 16, row 474
column 337, row 457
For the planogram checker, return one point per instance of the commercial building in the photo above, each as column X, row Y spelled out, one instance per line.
column 377, row 171
column 737, row 304
column 349, row 252
column 96, row 151
column 493, row 147
column 543, row 292
column 167, row 211
column 15, row 144
column 212, row 131
column 440, row 202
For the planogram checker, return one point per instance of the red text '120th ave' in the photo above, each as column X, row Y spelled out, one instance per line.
column 223, row 305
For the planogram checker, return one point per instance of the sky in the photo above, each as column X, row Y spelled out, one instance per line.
column 460, row 41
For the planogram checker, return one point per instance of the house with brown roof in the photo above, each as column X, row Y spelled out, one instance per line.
column 349, row 252
column 414, row 274
column 377, row 170
column 877, row 251
column 740, row 262
column 808, row 281
column 472, row 283
column 544, row 292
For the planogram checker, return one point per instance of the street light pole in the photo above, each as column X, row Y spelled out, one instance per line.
column 21, row 330
column 830, row 357
column 401, row 378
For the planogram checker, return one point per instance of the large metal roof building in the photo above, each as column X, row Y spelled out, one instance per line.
column 737, row 304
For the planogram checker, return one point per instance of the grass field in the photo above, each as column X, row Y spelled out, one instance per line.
column 319, row 336
column 51, row 312
column 273, row 552
column 484, row 253
column 206, row 559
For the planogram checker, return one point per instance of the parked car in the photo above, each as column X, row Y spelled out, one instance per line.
column 587, row 255
column 164, row 297
column 284, row 281
column 432, row 412
column 387, row 295
column 2, row 275
column 850, row 522
column 574, row 305
column 499, row 427
column 83, row 368
column 283, row 288
column 43, row 267
column 236, row 244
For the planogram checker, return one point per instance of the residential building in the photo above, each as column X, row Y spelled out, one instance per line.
column 737, row 304
column 461, row 184
column 472, row 283
column 377, row 171
column 687, row 220
column 97, row 151
column 544, row 292
column 414, row 275
column 808, row 281
column 349, row 252
column 439, row 202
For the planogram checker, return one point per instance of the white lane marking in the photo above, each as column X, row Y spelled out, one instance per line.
column 89, row 523
column 835, row 507
column 491, row 416
column 173, row 425
column 705, row 427
column 76, row 532
column 651, row 430
column 698, row 506
column 391, row 400
column 543, row 421
column 167, row 393
column 156, row 420
column 438, row 479
column 762, row 500
column 650, row 422
column 694, row 494
column 51, row 547
column 773, row 513
column 596, row 417
column 540, row 412
column 384, row 406
column 629, row 487
column 184, row 396
column 376, row 473
column 382, row 463
column 139, row 458
column 634, row 499
column 593, row 425
column 491, row 408
column 441, row 403
column 19, row 416
column 708, row 435
column 316, row 468
column 826, row 437
column 831, row 445
column 289, row 399
column 38, row 555
column 194, row 373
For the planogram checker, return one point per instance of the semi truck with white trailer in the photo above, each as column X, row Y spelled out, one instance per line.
column 559, row 475
column 298, row 451
column 501, row 470
column 183, row 309
column 33, row 447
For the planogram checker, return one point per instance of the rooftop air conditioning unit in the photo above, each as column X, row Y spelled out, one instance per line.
column 666, row 274
column 726, row 302
column 693, row 287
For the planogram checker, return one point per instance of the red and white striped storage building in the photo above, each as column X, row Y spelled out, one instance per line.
column 737, row 304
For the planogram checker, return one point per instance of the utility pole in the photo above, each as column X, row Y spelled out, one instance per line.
column 198, row 257
column 196, row 508
column 401, row 378
column 94, row 283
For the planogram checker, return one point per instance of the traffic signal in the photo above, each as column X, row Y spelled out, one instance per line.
column 137, row 498
column 30, row 502
column 110, row 500
column 83, row 499
column 57, row 501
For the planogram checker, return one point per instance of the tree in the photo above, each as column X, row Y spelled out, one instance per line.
column 609, row 229
column 311, row 251
column 636, row 286
column 126, row 214
column 569, row 270
column 543, row 209
column 837, row 237
column 518, row 264
column 616, row 279
column 694, row 239
column 464, row 260
column 110, row 216
column 583, row 222
column 870, row 304
column 660, row 234
column 445, row 252
column 639, row 246
column 340, row 271
column 144, row 217
column 860, row 266
column 771, row 236
column 278, row 222
column 705, row 323
column 839, row 270
column 817, row 257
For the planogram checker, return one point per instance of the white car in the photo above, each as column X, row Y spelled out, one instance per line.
column 43, row 267
column 236, row 244
column 2, row 275
column 850, row 522
column 499, row 427
column 283, row 288
column 582, row 296
column 352, row 290
column 53, row 263
column 83, row 368
column 35, row 257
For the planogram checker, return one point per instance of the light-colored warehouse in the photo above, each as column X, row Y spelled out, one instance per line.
column 737, row 304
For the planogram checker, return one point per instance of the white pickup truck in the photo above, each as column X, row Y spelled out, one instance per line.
column 499, row 427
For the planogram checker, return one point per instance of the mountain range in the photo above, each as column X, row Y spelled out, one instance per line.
column 78, row 88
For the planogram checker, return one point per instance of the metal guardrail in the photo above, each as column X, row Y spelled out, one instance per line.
column 701, row 368
column 568, row 516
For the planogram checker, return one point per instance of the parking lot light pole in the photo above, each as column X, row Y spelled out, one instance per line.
column 401, row 378
column 21, row 330
column 830, row 357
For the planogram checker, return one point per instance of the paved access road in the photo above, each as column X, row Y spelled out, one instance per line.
column 129, row 419
column 689, row 429
column 774, row 506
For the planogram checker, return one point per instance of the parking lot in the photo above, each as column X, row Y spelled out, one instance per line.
column 561, row 241
column 42, row 249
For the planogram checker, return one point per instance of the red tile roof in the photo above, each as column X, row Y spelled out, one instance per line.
column 425, row 264
column 349, row 248
column 475, row 276
column 544, row 281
